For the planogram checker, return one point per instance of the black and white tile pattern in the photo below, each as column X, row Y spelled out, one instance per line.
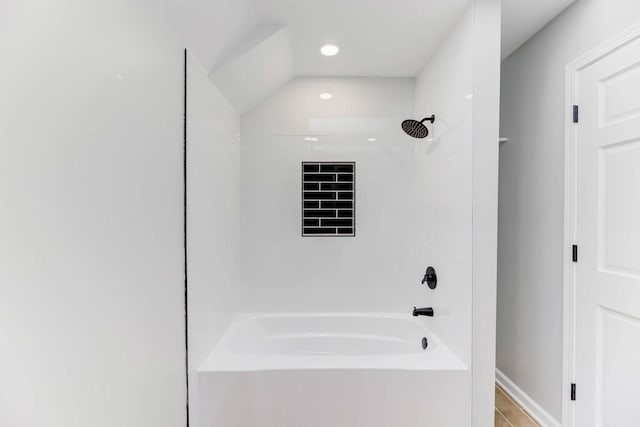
column 328, row 198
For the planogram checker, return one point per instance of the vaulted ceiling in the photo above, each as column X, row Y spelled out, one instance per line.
column 253, row 47
column 521, row 19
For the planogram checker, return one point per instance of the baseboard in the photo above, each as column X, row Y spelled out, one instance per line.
column 528, row 404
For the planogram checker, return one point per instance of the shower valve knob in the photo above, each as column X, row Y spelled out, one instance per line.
column 430, row 278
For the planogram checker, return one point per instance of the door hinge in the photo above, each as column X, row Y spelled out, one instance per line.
column 573, row 391
column 576, row 114
column 574, row 253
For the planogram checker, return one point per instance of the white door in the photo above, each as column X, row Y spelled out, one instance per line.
column 607, row 371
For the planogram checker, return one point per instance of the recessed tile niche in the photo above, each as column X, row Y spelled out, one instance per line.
column 328, row 198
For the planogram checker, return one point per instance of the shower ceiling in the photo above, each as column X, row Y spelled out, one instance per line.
column 376, row 38
column 253, row 47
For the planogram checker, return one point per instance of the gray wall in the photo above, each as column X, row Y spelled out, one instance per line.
column 529, row 341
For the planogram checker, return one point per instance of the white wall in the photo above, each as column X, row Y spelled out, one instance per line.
column 443, row 183
column 373, row 271
column 530, row 274
column 486, row 110
column 213, row 214
column 213, row 211
column 91, row 268
column 456, row 189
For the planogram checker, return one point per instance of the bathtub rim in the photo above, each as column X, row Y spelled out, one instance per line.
column 221, row 359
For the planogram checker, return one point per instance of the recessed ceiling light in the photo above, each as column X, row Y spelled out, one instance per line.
column 326, row 96
column 311, row 138
column 372, row 139
column 329, row 50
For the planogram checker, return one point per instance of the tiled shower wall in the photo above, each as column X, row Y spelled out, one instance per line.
column 213, row 194
column 371, row 271
column 443, row 184
column 413, row 206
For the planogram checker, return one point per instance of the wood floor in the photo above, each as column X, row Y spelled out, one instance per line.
column 509, row 413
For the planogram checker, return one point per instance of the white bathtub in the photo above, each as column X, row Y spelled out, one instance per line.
column 332, row 370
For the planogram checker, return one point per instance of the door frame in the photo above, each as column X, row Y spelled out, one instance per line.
column 570, row 238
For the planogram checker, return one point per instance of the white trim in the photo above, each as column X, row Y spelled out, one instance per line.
column 536, row 411
column 570, row 212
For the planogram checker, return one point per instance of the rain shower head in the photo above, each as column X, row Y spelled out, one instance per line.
column 417, row 129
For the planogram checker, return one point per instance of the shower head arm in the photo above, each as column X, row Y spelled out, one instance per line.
column 430, row 119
